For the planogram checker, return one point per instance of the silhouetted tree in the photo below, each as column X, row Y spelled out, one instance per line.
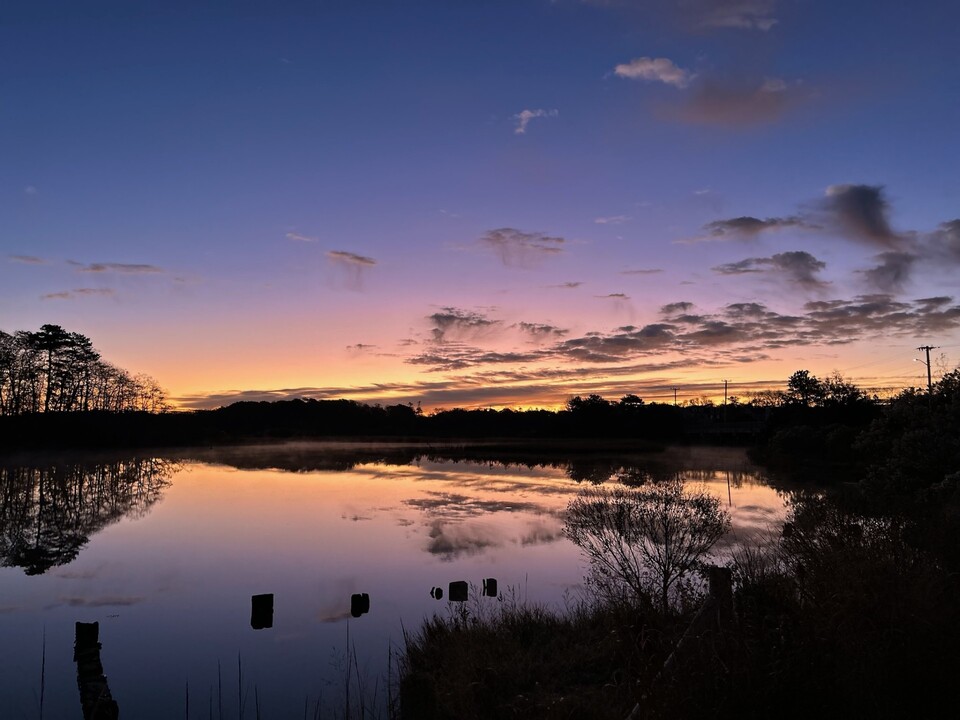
column 804, row 389
column 915, row 444
column 53, row 370
column 646, row 540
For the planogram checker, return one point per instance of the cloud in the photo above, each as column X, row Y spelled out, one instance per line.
column 748, row 227
column 739, row 330
column 352, row 265
column 30, row 190
column 933, row 304
column 738, row 103
column 524, row 117
column 458, row 356
column 614, row 347
column 731, row 14
column 856, row 212
column 610, row 363
column 675, row 308
column 27, row 259
column 860, row 212
column 746, row 310
column 78, row 293
column 655, row 70
column 944, row 242
column 540, row 331
column 451, row 321
column 123, row 268
column 612, row 220
column 641, row 271
column 797, row 266
column 521, row 249
column 892, row 272
column 615, row 296
column 349, row 258
column 566, row 285
column 360, row 347
column 297, row 237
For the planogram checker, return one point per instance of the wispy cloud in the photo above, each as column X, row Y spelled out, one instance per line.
column 78, row 293
column 122, row 268
column 738, row 102
column 732, row 14
column 451, row 322
column 655, row 70
column 352, row 266
column 516, row 248
column 853, row 211
column 944, row 242
column 798, row 267
column 540, row 331
column 572, row 285
column 349, row 258
column 297, row 237
column 675, row 308
column 747, row 227
column 612, row 220
column 861, row 212
column 642, row 271
column 892, row 271
column 524, row 117
column 27, row 259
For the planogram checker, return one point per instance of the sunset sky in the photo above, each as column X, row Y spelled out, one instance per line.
column 482, row 202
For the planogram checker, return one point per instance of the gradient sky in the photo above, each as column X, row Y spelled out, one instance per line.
column 486, row 202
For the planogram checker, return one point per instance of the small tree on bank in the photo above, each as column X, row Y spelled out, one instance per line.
column 645, row 540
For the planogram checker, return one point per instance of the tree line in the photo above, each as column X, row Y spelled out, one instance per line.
column 53, row 370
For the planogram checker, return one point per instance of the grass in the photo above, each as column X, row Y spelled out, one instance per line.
column 518, row 660
column 845, row 617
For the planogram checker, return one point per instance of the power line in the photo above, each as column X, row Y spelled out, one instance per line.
column 927, row 349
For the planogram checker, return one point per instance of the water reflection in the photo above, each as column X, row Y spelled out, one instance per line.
column 95, row 699
column 315, row 525
column 48, row 512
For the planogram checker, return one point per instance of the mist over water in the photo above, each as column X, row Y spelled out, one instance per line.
column 165, row 553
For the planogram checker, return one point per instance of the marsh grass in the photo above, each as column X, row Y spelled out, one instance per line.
column 489, row 659
column 842, row 617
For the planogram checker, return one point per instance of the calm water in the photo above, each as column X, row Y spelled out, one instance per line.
column 166, row 552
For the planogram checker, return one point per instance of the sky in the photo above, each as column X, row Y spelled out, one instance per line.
column 484, row 203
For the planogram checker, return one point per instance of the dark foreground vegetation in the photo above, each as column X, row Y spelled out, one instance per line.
column 852, row 611
column 844, row 618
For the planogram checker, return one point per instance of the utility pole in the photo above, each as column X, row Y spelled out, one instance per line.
column 725, row 400
column 927, row 349
column 674, row 397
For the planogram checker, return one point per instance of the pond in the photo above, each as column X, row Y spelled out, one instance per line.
column 165, row 551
